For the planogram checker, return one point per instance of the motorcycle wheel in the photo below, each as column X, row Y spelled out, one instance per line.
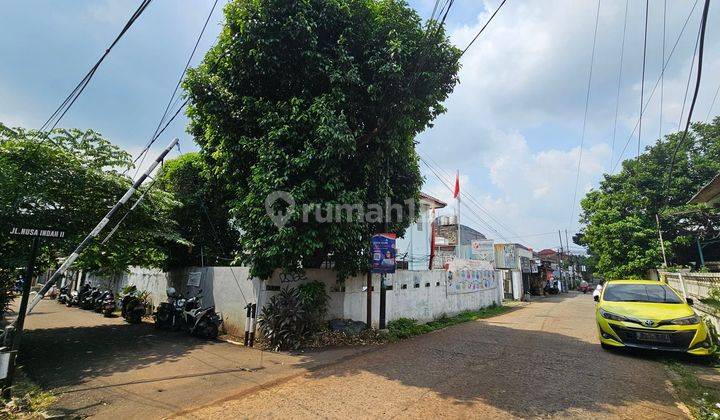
column 207, row 330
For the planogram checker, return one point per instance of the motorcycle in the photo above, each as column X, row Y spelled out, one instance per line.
column 108, row 304
column 76, row 297
column 100, row 301
column 132, row 307
column 200, row 322
column 64, row 296
column 88, row 300
column 551, row 288
column 188, row 314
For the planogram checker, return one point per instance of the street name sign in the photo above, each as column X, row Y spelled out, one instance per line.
column 42, row 233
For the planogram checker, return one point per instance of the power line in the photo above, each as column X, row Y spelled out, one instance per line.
column 642, row 79
column 471, row 198
column 701, row 51
column 712, row 104
column 483, row 28
column 662, row 77
column 65, row 106
column 587, row 105
column 687, row 84
column 619, row 83
column 652, row 93
column 157, row 131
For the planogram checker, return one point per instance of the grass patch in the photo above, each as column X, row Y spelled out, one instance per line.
column 703, row 401
column 28, row 399
column 406, row 327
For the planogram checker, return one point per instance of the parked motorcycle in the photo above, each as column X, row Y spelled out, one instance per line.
column 64, row 295
column 551, row 288
column 108, row 305
column 132, row 307
column 100, row 300
column 88, row 300
column 76, row 297
column 188, row 314
column 199, row 321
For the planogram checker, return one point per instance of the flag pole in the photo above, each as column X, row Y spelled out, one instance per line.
column 457, row 214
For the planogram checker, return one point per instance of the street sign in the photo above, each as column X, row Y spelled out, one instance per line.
column 43, row 233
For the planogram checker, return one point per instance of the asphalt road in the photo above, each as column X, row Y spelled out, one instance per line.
column 542, row 360
column 105, row 368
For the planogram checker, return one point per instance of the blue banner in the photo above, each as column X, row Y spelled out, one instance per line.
column 383, row 253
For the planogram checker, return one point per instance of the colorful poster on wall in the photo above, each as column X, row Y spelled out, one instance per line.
column 506, row 256
column 483, row 250
column 470, row 276
column 383, row 252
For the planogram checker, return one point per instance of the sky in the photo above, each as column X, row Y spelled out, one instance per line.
column 513, row 126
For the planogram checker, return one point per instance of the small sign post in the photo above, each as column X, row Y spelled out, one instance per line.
column 384, row 252
column 36, row 235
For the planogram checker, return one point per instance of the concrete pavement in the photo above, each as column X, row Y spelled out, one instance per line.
column 539, row 361
column 105, row 368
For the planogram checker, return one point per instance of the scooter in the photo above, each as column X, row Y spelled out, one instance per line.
column 64, row 296
column 166, row 313
column 108, row 304
column 200, row 322
column 88, row 300
column 132, row 307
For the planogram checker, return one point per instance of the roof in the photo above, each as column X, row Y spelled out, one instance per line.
column 438, row 204
column 708, row 193
column 635, row 281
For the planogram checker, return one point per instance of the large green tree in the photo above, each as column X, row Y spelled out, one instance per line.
column 202, row 215
column 619, row 217
column 68, row 180
column 321, row 99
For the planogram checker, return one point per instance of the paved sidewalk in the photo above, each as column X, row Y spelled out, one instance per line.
column 106, row 368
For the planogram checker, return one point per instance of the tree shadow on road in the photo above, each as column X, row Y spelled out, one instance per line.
column 520, row 372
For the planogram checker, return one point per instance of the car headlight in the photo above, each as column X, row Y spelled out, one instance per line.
column 609, row 315
column 688, row 320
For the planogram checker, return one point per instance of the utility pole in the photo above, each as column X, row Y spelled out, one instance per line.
column 105, row 220
column 662, row 243
column 560, row 257
column 567, row 243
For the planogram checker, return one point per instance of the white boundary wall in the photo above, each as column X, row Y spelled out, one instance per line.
column 424, row 296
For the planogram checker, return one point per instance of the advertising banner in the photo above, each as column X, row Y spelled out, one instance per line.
column 383, row 252
column 483, row 250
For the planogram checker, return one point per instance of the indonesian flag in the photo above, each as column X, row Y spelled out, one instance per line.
column 457, row 185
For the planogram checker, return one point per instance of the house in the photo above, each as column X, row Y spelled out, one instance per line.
column 413, row 249
column 446, row 237
column 709, row 194
column 515, row 263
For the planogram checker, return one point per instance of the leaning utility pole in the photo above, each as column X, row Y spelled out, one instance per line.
column 89, row 238
column 662, row 243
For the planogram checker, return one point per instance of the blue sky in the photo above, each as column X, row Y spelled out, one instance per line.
column 513, row 125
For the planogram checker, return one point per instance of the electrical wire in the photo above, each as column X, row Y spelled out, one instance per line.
column 642, row 79
column 687, row 84
column 712, row 104
column 470, row 197
column 483, row 28
column 619, row 83
column 585, row 115
column 701, row 51
column 157, row 131
column 652, row 93
column 662, row 77
column 65, row 106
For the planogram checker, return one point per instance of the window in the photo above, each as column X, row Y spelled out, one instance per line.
column 655, row 293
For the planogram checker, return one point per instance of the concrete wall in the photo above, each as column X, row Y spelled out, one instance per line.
column 697, row 285
column 421, row 295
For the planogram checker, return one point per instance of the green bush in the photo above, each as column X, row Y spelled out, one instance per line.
column 292, row 316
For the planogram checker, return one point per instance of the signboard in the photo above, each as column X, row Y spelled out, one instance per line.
column 483, row 250
column 194, row 278
column 506, row 256
column 525, row 265
column 470, row 276
column 43, row 233
column 383, row 253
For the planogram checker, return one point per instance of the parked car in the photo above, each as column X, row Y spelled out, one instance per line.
column 651, row 315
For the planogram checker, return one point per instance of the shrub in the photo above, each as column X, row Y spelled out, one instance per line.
column 292, row 316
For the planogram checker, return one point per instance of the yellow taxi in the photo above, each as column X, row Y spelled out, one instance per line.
column 650, row 315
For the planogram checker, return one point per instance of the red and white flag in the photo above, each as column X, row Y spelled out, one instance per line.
column 456, row 192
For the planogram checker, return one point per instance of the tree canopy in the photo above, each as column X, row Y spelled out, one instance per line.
column 321, row 99
column 202, row 214
column 619, row 217
column 68, row 180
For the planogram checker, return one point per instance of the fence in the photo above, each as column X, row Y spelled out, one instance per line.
column 421, row 295
column 696, row 286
